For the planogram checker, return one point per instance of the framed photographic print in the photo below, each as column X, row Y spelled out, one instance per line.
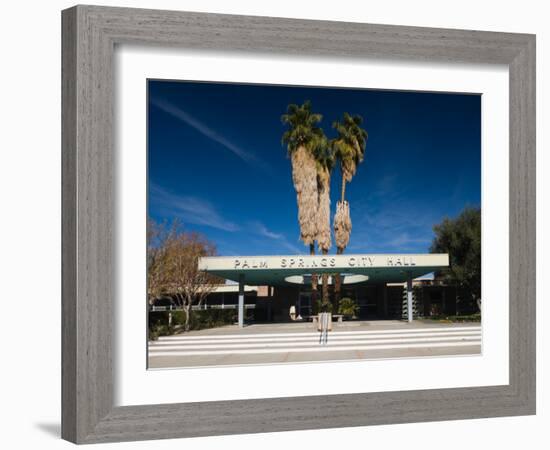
column 301, row 224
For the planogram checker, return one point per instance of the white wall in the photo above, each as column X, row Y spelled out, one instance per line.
column 30, row 224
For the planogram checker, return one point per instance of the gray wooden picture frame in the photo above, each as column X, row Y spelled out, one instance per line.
column 90, row 34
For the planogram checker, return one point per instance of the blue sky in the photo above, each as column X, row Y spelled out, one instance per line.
column 215, row 162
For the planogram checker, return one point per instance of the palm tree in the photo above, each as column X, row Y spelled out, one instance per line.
column 303, row 138
column 349, row 148
column 325, row 162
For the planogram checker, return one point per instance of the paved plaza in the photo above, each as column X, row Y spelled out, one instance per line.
column 300, row 342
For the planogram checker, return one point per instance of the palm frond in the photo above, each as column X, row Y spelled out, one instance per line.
column 304, row 139
column 349, row 145
column 342, row 225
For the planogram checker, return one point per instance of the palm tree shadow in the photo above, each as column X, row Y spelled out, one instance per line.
column 53, row 429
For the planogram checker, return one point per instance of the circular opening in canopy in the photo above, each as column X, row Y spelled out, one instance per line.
column 346, row 279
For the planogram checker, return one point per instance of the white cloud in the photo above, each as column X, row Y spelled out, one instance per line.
column 248, row 157
column 404, row 240
column 260, row 229
column 190, row 209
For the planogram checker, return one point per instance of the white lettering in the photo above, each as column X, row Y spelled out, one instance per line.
column 324, row 262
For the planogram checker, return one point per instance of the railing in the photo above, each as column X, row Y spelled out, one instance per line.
column 198, row 307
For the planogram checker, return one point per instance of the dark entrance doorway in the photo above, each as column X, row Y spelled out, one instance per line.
column 304, row 307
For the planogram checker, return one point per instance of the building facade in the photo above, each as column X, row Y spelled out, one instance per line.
column 384, row 286
column 382, row 301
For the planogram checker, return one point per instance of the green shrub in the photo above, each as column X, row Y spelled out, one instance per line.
column 316, row 307
column 157, row 318
column 211, row 318
column 178, row 318
column 347, row 307
column 476, row 317
column 160, row 330
column 320, row 307
column 158, row 323
column 153, row 334
column 199, row 320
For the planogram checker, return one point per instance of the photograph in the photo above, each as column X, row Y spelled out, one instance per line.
column 296, row 224
column 271, row 225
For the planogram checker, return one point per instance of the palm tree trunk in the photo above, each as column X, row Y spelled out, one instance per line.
column 326, row 299
column 338, row 281
column 343, row 187
column 314, row 279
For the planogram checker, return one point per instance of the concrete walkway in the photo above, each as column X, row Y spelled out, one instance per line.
column 299, row 342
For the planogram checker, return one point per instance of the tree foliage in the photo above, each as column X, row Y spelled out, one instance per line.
column 324, row 157
column 313, row 157
column 303, row 139
column 461, row 239
column 159, row 235
column 349, row 146
column 303, row 129
column 325, row 162
column 172, row 265
column 349, row 150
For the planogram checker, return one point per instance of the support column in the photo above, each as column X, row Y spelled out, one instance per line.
column 385, row 294
column 241, row 300
column 409, row 298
